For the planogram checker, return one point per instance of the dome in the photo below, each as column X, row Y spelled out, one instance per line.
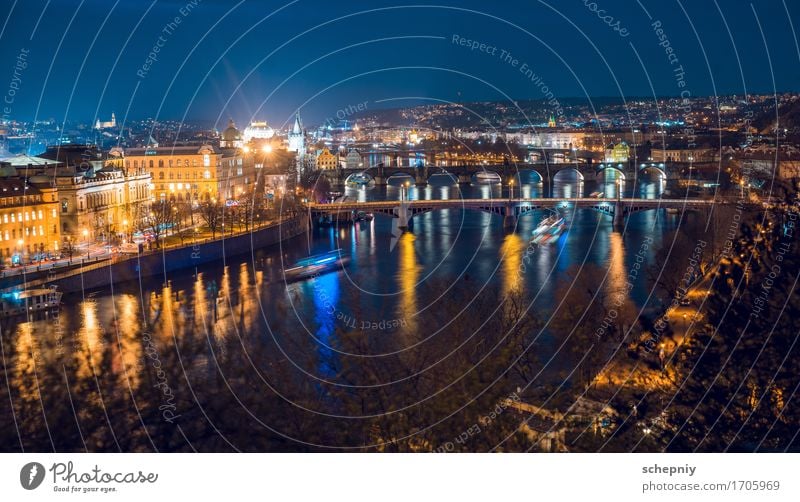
column 258, row 130
column 231, row 133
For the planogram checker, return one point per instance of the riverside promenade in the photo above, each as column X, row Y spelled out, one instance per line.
column 160, row 261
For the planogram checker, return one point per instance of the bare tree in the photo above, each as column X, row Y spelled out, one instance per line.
column 160, row 219
column 211, row 213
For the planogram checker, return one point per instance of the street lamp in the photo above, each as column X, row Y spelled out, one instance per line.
column 20, row 243
column 86, row 241
column 511, row 189
column 267, row 149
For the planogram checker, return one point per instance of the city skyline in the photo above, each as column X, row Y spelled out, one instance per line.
column 244, row 70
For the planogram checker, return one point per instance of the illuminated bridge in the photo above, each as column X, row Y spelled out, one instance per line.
column 510, row 209
column 380, row 174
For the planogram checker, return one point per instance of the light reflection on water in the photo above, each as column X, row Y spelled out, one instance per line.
column 389, row 278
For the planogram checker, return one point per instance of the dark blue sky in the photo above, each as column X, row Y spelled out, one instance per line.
column 244, row 59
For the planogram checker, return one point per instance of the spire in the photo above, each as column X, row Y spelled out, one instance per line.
column 552, row 121
column 298, row 126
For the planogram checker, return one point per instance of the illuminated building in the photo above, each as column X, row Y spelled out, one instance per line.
column 326, row 160
column 106, row 125
column 186, row 173
column 297, row 137
column 29, row 220
column 258, row 131
column 617, row 153
column 353, row 160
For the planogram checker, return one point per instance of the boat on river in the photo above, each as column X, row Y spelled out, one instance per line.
column 18, row 303
column 317, row 265
column 549, row 229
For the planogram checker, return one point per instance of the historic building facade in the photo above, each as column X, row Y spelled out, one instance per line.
column 29, row 221
column 185, row 173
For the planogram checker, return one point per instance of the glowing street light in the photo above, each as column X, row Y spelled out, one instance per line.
column 86, row 241
column 267, row 149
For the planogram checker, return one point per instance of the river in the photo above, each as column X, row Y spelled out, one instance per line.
column 393, row 284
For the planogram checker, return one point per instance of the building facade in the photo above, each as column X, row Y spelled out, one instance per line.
column 192, row 173
column 29, row 221
column 327, row 161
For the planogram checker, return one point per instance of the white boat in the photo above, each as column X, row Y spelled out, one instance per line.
column 317, row 265
column 549, row 229
column 488, row 177
column 29, row 300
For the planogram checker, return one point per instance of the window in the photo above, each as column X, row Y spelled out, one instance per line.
column 64, row 205
column 136, row 164
column 161, row 175
column 207, row 174
column 170, row 162
column 206, row 160
column 160, row 163
column 151, row 164
column 40, row 214
column 186, row 163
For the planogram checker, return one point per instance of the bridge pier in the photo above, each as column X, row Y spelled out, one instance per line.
column 421, row 181
column 619, row 215
column 464, row 178
column 379, row 181
column 403, row 215
column 509, row 217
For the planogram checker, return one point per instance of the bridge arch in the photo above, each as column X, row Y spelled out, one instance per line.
column 444, row 175
column 487, row 176
column 605, row 168
column 529, row 176
column 399, row 177
column 654, row 168
column 568, row 174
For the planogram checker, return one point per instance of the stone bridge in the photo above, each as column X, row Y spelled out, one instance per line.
column 465, row 173
column 510, row 209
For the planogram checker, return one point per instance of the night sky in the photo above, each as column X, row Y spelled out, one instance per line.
column 265, row 59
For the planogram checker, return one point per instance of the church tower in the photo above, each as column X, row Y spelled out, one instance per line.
column 551, row 122
column 297, row 137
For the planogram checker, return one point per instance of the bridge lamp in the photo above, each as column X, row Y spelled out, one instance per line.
column 267, row 149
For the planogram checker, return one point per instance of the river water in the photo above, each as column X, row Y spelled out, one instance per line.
column 389, row 287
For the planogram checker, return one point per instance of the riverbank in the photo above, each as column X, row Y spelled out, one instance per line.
column 164, row 261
